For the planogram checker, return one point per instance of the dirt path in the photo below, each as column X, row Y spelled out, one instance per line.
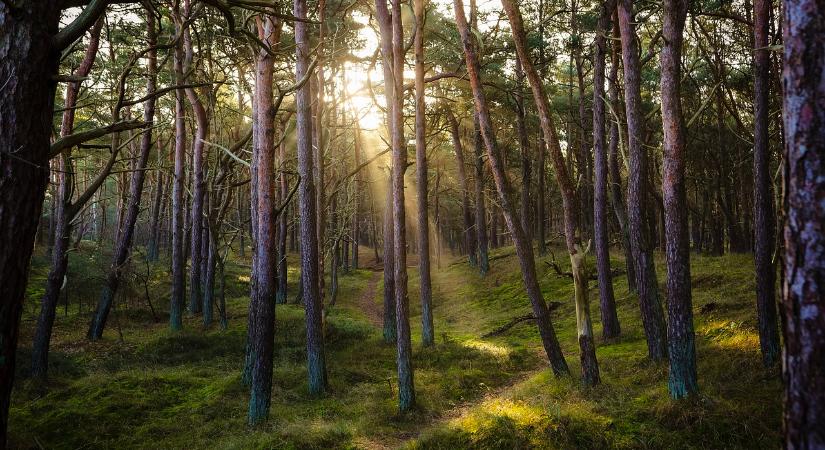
column 366, row 301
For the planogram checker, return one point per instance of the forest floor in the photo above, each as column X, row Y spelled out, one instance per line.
column 145, row 387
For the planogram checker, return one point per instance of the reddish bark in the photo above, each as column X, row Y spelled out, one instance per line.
column 524, row 249
column 803, row 290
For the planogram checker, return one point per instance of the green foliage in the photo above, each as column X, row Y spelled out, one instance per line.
column 157, row 389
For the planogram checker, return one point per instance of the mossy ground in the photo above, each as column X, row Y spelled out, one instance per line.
column 146, row 387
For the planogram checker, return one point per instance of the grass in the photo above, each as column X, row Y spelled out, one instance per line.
column 145, row 387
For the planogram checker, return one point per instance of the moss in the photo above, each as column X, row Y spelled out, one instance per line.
column 143, row 386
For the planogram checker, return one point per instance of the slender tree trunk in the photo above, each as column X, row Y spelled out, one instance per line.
column 680, row 335
column 610, row 321
column 198, row 183
column 358, row 197
column 389, row 275
column 523, row 248
column 310, row 255
column 62, row 218
column 406, row 384
column 763, row 211
column 803, row 298
column 127, row 230
column 467, row 233
column 427, row 332
column 647, row 285
column 281, row 294
column 524, row 145
column 616, row 196
column 590, row 366
column 261, row 330
column 178, row 189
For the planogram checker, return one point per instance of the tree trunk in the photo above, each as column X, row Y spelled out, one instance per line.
column 127, row 230
column 524, row 145
column 646, row 283
column 307, row 204
column 389, row 275
column 178, row 190
column 616, row 196
column 763, row 211
column 280, row 296
column 803, row 297
column 62, row 218
column 406, row 385
column 467, row 233
column 261, row 332
column 198, row 184
column 523, row 248
column 610, row 321
column 680, row 335
column 427, row 332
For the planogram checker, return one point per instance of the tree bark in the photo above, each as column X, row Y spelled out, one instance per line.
column 610, row 321
column 804, row 261
column 680, row 336
column 467, row 233
column 524, row 249
column 127, row 229
column 647, row 285
column 261, row 332
column 307, row 204
column 616, row 197
column 178, row 189
column 406, row 384
column 62, row 218
column 763, row 210
column 427, row 332
column 590, row 366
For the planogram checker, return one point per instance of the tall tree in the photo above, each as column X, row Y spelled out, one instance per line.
column 30, row 52
column 178, row 187
column 467, row 231
column 524, row 249
column 406, row 384
column 590, row 366
column 637, row 191
column 63, row 215
column 307, row 204
column 803, row 300
column 127, row 229
column 763, row 212
column 261, row 332
column 680, row 335
column 427, row 333
column 478, row 153
column 197, row 221
column 607, row 300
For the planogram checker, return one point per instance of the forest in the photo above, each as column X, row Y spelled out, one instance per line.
column 418, row 224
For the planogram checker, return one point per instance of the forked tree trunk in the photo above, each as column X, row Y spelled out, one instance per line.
column 524, row 249
column 427, row 332
column 610, row 321
column 590, row 366
column 804, row 287
column 680, row 335
column 646, row 283
column 763, row 211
